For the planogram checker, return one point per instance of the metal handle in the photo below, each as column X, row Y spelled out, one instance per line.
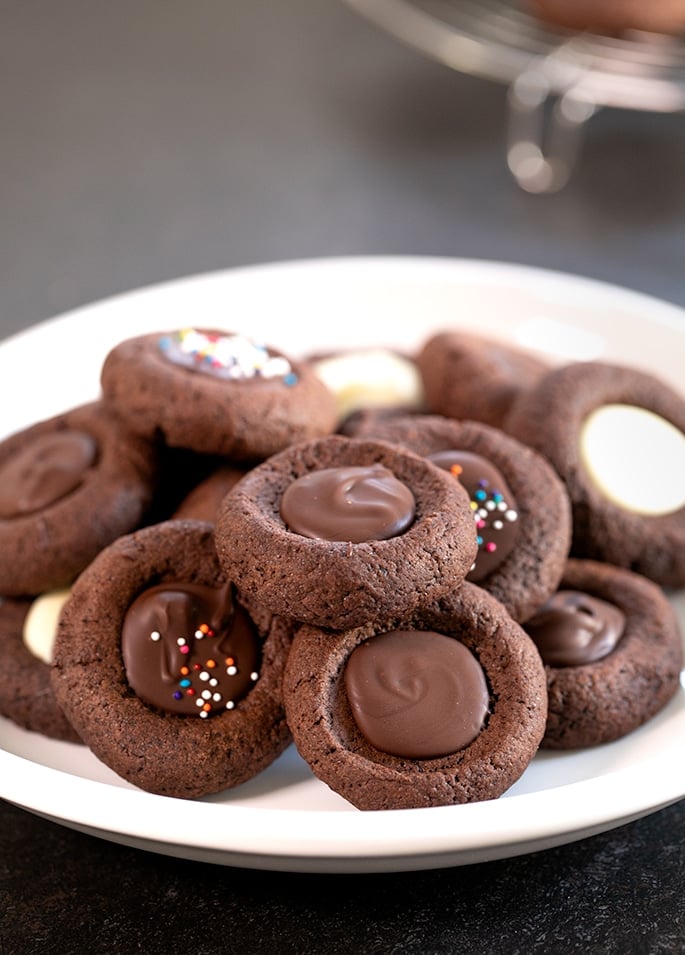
column 548, row 110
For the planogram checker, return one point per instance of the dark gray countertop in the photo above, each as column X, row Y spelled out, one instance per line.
column 146, row 141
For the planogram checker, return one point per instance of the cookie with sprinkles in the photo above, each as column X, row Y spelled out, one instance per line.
column 520, row 507
column 168, row 675
column 215, row 392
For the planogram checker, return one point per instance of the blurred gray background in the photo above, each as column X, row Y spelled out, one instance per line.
column 147, row 140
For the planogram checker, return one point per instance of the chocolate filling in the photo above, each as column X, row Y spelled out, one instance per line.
column 573, row 628
column 189, row 649
column 494, row 507
column 352, row 503
column 416, row 693
column 46, row 470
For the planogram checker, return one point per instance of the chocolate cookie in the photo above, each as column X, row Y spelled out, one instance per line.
column 69, row 486
column 26, row 695
column 466, row 376
column 616, row 436
column 520, row 506
column 612, row 654
column 167, row 675
column 446, row 706
column 202, row 503
column 336, row 532
column 215, row 392
column 613, row 16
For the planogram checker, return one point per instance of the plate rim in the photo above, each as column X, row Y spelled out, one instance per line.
column 327, row 838
column 664, row 312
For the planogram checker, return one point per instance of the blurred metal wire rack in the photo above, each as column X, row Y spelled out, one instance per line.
column 557, row 80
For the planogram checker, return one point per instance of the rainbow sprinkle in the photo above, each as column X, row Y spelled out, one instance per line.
column 210, row 699
column 234, row 357
column 490, row 509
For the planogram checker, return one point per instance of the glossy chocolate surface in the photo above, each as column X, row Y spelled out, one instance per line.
column 351, row 503
column 573, row 628
column 189, row 649
column 493, row 504
column 416, row 693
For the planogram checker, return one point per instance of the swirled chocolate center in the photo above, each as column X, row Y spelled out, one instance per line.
column 189, row 649
column 494, row 507
column 573, row 628
column 416, row 693
column 46, row 470
column 348, row 504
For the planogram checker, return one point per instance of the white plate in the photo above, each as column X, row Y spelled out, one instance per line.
column 285, row 819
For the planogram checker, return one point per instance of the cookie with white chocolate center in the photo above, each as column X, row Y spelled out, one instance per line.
column 616, row 437
column 26, row 637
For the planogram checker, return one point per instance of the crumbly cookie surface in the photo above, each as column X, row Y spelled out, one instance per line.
column 467, row 376
column 339, row 584
column 329, row 739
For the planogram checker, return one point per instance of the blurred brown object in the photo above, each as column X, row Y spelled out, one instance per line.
column 613, row 16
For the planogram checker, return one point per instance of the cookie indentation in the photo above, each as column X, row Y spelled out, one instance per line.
column 494, row 507
column 635, row 457
column 416, row 693
column 188, row 649
column 353, row 503
column 573, row 628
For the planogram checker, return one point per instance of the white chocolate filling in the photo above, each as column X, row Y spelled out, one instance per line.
column 40, row 624
column 635, row 457
column 372, row 378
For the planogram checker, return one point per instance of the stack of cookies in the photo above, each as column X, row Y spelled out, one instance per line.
column 419, row 584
